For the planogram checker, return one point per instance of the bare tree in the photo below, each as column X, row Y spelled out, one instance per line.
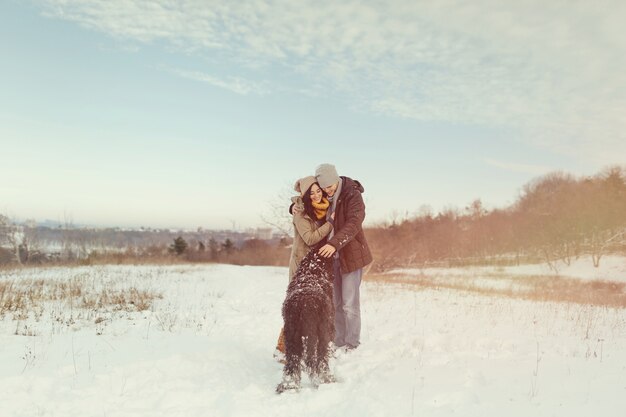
column 11, row 234
column 599, row 246
column 277, row 213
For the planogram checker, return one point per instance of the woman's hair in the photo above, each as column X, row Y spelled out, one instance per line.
column 308, row 203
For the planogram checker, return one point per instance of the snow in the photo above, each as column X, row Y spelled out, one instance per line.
column 611, row 268
column 205, row 349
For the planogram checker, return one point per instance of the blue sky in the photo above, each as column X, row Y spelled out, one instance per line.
column 187, row 114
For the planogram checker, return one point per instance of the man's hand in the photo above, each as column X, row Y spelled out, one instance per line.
column 327, row 250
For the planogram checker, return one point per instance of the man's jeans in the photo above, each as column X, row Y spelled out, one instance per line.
column 347, row 307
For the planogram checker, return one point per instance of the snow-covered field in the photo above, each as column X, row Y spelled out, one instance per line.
column 611, row 268
column 205, row 349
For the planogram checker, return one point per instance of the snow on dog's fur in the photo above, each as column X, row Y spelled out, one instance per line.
column 308, row 313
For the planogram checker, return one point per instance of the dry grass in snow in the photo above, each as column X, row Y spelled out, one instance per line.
column 434, row 345
column 529, row 287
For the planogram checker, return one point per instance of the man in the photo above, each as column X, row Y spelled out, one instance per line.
column 350, row 250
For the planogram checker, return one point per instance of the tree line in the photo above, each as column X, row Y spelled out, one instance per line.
column 557, row 217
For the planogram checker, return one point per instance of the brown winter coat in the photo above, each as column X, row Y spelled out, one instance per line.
column 349, row 239
column 307, row 234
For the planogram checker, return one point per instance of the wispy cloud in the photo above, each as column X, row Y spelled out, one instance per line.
column 516, row 167
column 553, row 71
column 234, row 84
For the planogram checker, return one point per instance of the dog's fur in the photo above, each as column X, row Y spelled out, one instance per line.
column 309, row 317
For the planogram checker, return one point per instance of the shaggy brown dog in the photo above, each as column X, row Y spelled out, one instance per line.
column 309, row 317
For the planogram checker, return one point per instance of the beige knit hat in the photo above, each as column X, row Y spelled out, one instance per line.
column 303, row 184
column 326, row 175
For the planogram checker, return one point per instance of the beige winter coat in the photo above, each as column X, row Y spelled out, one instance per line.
column 307, row 234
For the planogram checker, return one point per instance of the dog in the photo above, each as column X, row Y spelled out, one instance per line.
column 309, row 316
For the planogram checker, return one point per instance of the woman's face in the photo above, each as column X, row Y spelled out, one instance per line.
column 316, row 193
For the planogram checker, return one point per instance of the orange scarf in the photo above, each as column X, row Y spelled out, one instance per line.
column 321, row 208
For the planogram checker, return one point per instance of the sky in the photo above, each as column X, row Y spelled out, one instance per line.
column 204, row 113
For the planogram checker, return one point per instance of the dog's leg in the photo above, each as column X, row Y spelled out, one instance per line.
column 291, row 375
column 326, row 376
column 311, row 360
column 293, row 347
column 327, row 330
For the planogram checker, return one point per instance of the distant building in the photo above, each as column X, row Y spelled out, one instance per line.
column 30, row 223
column 262, row 233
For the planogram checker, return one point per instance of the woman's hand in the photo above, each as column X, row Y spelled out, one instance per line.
column 327, row 250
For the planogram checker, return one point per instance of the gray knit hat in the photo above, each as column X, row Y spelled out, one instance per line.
column 303, row 184
column 326, row 175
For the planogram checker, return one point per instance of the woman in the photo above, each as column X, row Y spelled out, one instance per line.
column 309, row 220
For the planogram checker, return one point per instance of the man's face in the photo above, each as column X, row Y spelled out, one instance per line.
column 330, row 190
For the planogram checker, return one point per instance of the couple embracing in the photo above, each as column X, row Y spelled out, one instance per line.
column 329, row 212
